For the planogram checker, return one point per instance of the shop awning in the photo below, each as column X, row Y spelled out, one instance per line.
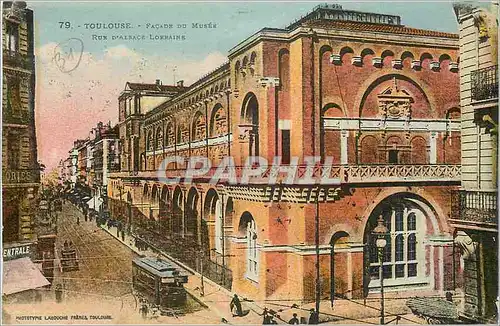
column 21, row 275
column 95, row 200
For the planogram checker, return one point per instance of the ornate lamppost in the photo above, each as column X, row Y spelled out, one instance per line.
column 380, row 234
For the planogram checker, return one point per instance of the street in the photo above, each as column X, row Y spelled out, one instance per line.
column 101, row 290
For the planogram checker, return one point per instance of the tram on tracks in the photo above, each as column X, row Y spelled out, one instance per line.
column 159, row 282
column 69, row 259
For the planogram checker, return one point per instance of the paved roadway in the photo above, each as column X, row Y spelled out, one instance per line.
column 105, row 270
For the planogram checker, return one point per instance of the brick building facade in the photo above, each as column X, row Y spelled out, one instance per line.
column 378, row 98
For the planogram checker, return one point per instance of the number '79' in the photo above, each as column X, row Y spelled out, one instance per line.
column 64, row 24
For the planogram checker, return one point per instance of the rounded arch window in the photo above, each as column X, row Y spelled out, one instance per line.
column 404, row 258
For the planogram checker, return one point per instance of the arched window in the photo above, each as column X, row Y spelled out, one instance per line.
column 198, row 131
column 218, row 123
column 170, row 139
column 404, row 245
column 150, row 141
column 159, row 138
column 252, row 253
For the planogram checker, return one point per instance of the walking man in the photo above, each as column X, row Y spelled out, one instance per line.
column 313, row 317
column 294, row 320
column 236, row 304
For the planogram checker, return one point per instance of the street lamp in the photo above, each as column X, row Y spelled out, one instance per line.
column 380, row 233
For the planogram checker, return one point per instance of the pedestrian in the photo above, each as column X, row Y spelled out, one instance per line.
column 313, row 317
column 144, row 310
column 236, row 305
column 267, row 318
column 58, row 293
column 65, row 245
column 294, row 320
column 123, row 236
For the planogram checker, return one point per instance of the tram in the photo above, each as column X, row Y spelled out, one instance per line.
column 69, row 259
column 159, row 282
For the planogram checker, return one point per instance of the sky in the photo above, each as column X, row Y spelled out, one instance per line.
column 79, row 76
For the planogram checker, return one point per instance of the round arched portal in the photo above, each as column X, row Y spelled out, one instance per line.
column 178, row 212
column 248, row 228
column 191, row 221
column 338, row 286
column 213, row 217
column 407, row 257
column 164, row 211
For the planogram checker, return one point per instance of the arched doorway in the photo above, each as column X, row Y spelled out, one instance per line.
column 178, row 212
column 213, row 216
column 407, row 256
column 154, row 203
column 191, row 220
column 248, row 227
column 338, row 287
column 164, row 211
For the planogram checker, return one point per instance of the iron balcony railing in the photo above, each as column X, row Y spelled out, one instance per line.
column 16, row 59
column 484, row 83
column 475, row 206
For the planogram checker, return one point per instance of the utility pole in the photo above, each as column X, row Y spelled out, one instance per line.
column 318, row 288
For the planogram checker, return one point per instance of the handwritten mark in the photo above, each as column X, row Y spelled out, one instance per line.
column 68, row 54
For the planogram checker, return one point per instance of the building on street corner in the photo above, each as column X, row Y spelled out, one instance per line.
column 475, row 218
column 387, row 114
column 26, row 242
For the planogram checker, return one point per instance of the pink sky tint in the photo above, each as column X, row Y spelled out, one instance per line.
column 69, row 105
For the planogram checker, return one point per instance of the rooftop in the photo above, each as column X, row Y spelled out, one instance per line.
column 335, row 12
column 381, row 28
column 156, row 87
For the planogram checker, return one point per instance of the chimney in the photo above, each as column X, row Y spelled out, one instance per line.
column 180, row 83
column 158, row 82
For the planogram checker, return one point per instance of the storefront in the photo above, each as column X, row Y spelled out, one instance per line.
column 23, row 281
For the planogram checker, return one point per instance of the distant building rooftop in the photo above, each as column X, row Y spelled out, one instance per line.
column 334, row 12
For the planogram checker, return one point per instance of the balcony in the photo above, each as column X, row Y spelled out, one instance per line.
column 475, row 208
column 401, row 173
column 484, row 83
column 16, row 59
column 337, row 174
column 14, row 176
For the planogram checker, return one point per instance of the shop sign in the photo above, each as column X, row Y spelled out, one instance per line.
column 17, row 252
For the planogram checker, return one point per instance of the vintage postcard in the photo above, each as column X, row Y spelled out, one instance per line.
column 249, row 162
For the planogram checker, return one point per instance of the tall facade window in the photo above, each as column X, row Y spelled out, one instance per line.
column 404, row 246
column 393, row 156
column 12, row 37
column 252, row 252
column 13, row 151
column 13, row 96
column 285, row 146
